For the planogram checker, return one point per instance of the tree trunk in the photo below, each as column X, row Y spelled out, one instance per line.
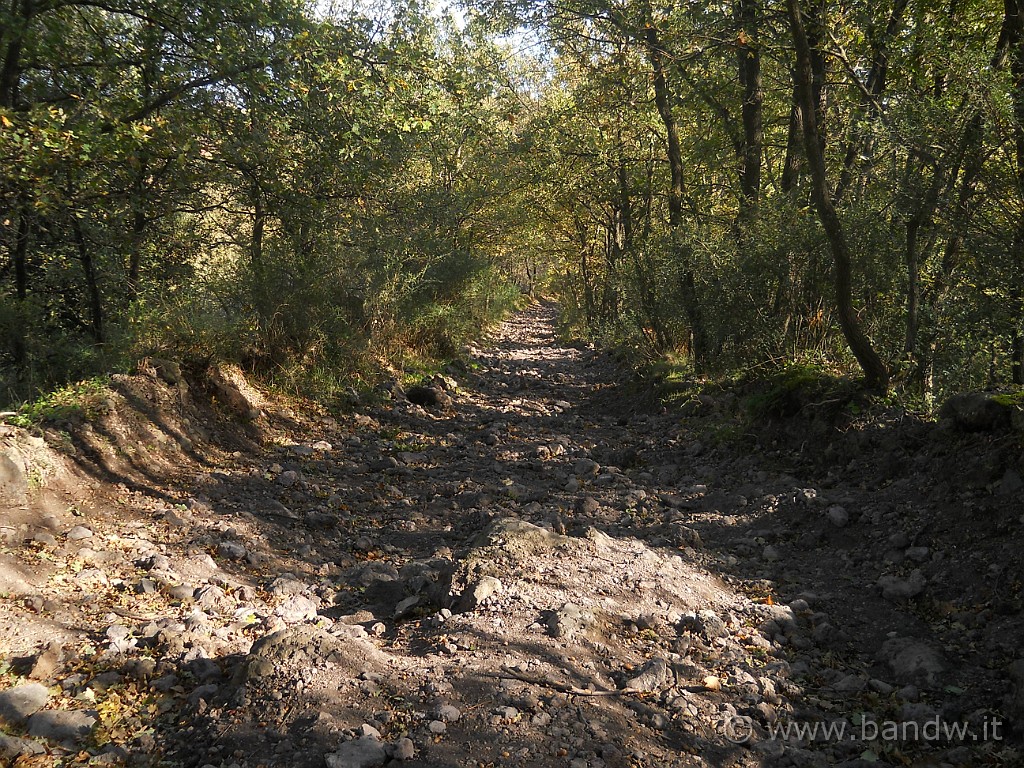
column 975, row 157
column 860, row 143
column 794, row 146
column 1017, row 355
column 139, row 225
column 91, row 282
column 140, row 191
column 913, row 288
column 586, row 254
column 749, row 55
column 793, row 164
column 588, row 290
column 20, row 255
column 1013, row 11
column 13, row 41
column 921, row 218
column 259, row 222
column 876, row 374
column 662, row 99
column 663, row 102
column 625, row 201
column 135, row 256
column 11, row 44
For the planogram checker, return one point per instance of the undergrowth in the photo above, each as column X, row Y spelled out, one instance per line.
column 81, row 401
column 759, row 396
column 788, row 391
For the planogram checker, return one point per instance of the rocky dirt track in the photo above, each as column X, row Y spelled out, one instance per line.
column 536, row 566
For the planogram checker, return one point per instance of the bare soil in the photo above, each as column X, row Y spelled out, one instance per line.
column 538, row 565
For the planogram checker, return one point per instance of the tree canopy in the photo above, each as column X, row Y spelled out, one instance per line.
column 734, row 184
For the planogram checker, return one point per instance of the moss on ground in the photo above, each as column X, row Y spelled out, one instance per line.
column 790, row 390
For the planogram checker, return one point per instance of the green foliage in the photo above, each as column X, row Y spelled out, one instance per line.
column 443, row 326
column 306, row 196
column 81, row 401
column 793, row 388
column 193, row 328
column 925, row 175
column 310, row 196
column 1010, row 399
column 672, row 377
column 48, row 354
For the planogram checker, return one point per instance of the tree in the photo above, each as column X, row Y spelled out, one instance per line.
column 875, row 372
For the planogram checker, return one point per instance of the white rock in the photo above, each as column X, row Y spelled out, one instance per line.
column 478, row 592
column 231, row 550
column 913, row 661
column 403, row 749
column 895, row 588
column 297, row 608
column 18, row 703
column 448, row 713
column 364, row 752
column 78, row 533
column 918, row 554
column 70, row 726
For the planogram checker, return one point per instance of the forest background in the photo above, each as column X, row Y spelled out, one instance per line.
column 317, row 195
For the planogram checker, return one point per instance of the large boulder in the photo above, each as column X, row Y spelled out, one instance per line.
column 913, row 662
column 235, row 392
column 21, row 702
column 977, row 412
column 429, row 397
column 13, row 482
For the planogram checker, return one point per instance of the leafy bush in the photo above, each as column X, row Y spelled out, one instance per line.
column 38, row 355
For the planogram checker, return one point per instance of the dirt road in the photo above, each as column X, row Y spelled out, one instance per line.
column 541, row 568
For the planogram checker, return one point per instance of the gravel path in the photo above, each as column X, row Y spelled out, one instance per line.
column 536, row 566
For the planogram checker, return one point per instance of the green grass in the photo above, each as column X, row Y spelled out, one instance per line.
column 83, row 400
